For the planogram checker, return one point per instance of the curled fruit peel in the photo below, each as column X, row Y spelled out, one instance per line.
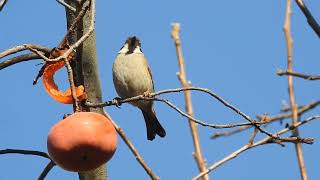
column 53, row 90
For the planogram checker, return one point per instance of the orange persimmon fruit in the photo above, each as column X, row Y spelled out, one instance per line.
column 82, row 141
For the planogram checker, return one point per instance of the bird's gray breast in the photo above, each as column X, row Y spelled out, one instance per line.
column 131, row 76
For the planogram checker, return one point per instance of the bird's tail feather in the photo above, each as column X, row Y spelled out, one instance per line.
column 153, row 125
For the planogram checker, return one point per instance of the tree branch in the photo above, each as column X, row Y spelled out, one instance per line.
column 187, row 96
column 116, row 102
column 72, row 86
column 2, row 4
column 66, row 5
column 296, row 74
column 246, row 147
column 295, row 132
column 23, row 48
column 18, row 59
column 311, row 21
column 301, row 110
column 38, row 50
column 133, row 150
column 46, row 170
column 25, row 152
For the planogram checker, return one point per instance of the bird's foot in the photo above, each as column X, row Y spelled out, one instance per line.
column 117, row 102
column 147, row 94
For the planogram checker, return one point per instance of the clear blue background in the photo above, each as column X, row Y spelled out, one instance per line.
column 231, row 47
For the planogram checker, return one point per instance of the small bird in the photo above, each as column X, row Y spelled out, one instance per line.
column 131, row 77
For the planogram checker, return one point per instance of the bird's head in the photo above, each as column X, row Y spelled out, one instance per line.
column 132, row 45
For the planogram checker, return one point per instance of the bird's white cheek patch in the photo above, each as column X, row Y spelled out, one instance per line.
column 124, row 49
column 137, row 50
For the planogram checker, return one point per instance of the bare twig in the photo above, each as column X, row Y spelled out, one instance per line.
column 35, row 153
column 91, row 27
column 66, row 5
column 255, row 131
column 75, row 23
column 220, row 99
column 301, row 110
column 151, row 98
column 18, row 59
column 40, row 72
column 72, row 48
column 82, row 38
column 142, row 97
column 2, row 4
column 133, row 149
column 25, row 152
column 46, row 170
column 23, row 48
column 229, row 133
column 72, row 86
column 176, row 90
column 311, row 21
column 295, row 132
column 246, row 147
column 39, row 49
column 191, row 118
column 296, row 74
column 187, row 96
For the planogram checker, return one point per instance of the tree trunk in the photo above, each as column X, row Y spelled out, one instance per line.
column 85, row 70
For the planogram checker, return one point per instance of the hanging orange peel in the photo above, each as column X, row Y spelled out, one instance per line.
column 48, row 79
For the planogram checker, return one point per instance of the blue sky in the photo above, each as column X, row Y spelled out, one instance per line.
column 231, row 47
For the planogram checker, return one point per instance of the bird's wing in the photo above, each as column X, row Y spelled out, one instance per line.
column 149, row 70
column 150, row 73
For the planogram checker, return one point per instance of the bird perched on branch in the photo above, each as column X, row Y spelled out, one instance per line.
column 132, row 77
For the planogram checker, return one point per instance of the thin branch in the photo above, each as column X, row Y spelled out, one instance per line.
column 142, row 97
column 301, row 110
column 229, row 133
column 191, row 118
column 72, row 86
column 72, row 28
column 255, row 131
column 75, row 23
column 73, row 47
column 311, row 21
column 18, row 59
column 25, row 152
column 39, row 49
column 133, row 149
column 66, row 5
column 151, row 97
column 2, row 4
column 116, row 102
column 212, row 94
column 295, row 132
column 40, row 73
column 46, row 170
column 90, row 29
column 246, row 147
column 176, row 90
column 187, row 96
column 296, row 74
column 23, row 48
